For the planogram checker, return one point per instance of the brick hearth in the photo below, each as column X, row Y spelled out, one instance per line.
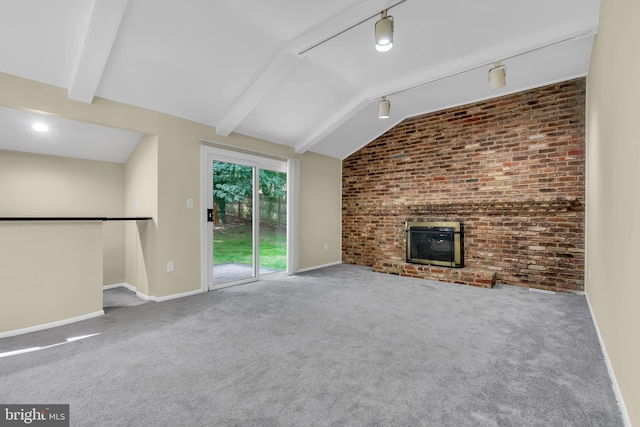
column 465, row 276
column 511, row 169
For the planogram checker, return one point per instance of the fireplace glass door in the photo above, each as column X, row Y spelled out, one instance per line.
column 436, row 243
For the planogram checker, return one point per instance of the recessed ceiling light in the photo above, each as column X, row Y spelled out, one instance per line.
column 40, row 127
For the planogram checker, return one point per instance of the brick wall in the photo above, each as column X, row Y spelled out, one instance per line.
column 512, row 169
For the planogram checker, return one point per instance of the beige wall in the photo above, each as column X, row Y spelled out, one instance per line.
column 49, row 272
column 321, row 198
column 39, row 185
column 613, row 201
column 141, row 200
column 176, row 236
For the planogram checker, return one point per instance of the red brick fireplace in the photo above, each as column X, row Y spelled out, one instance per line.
column 511, row 169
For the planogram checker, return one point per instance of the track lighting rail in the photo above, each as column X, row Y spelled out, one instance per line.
column 490, row 63
column 333, row 36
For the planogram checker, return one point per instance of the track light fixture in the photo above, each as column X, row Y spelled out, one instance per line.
column 498, row 76
column 384, row 106
column 384, row 32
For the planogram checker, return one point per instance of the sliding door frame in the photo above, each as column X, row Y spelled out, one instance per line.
column 259, row 161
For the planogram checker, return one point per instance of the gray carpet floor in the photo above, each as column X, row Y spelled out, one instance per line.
column 120, row 297
column 331, row 347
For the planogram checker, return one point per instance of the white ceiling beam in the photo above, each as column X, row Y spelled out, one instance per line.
column 275, row 72
column 336, row 120
column 106, row 16
column 286, row 60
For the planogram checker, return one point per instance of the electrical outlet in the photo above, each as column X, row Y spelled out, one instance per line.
column 326, row 246
column 170, row 267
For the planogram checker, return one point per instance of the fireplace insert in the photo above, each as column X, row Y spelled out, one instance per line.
column 435, row 243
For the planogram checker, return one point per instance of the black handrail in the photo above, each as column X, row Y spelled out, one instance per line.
column 74, row 218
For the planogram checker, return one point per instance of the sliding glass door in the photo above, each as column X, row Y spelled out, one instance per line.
column 246, row 228
column 272, row 221
column 233, row 232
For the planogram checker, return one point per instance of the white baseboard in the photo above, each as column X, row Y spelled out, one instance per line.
column 302, row 270
column 51, row 325
column 120, row 285
column 174, row 296
column 612, row 375
column 144, row 297
column 130, row 287
column 151, row 297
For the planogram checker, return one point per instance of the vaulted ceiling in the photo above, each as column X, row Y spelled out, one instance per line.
column 301, row 73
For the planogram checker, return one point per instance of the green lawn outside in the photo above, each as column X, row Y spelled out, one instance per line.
column 232, row 244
